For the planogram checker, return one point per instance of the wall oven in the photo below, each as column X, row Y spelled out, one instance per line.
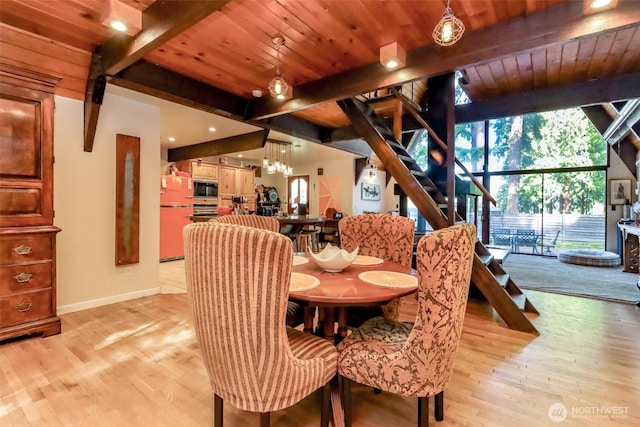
column 205, row 189
column 205, row 197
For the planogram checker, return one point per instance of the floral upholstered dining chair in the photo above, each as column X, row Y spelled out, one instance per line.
column 382, row 236
column 237, row 283
column 295, row 312
column 416, row 359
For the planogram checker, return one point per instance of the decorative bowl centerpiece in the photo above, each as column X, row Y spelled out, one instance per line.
column 333, row 259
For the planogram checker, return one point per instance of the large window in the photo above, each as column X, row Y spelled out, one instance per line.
column 547, row 173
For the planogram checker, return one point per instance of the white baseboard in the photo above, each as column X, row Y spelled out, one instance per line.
column 84, row 305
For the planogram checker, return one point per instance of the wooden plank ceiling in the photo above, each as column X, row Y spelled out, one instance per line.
column 332, row 48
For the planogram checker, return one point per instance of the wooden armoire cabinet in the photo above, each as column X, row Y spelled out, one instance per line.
column 27, row 233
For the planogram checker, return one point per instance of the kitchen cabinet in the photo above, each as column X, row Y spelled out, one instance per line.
column 199, row 169
column 245, row 182
column 27, row 233
column 204, row 170
column 227, row 182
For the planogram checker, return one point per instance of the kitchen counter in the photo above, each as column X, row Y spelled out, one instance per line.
column 202, row 218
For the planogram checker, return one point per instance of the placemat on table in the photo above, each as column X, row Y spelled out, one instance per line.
column 389, row 279
column 299, row 260
column 302, row 282
column 367, row 260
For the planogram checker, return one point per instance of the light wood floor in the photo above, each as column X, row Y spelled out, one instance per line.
column 137, row 363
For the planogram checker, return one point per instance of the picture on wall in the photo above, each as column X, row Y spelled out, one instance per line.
column 619, row 191
column 370, row 192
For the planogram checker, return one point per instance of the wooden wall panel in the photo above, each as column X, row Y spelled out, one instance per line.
column 36, row 53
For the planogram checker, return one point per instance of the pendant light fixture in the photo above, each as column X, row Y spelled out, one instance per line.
column 449, row 30
column 281, row 161
column 277, row 86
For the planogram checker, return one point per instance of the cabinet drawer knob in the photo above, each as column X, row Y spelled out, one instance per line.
column 23, row 306
column 22, row 277
column 22, row 250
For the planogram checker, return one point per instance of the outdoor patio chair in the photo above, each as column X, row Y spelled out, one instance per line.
column 501, row 236
column 550, row 245
column 527, row 239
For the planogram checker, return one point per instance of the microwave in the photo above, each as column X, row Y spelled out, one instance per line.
column 205, row 189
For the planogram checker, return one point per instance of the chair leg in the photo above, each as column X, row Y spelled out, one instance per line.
column 264, row 419
column 217, row 411
column 423, row 412
column 325, row 414
column 438, row 410
column 346, row 400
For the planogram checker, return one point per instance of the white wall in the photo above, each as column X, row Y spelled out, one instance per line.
column 342, row 165
column 617, row 170
column 84, row 202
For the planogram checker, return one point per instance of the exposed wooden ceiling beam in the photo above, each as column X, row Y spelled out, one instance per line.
column 598, row 115
column 161, row 21
column 218, row 147
column 161, row 83
column 552, row 98
column 560, row 97
column 545, row 28
column 93, row 96
column 165, row 84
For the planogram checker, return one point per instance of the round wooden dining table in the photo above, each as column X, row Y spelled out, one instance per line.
column 347, row 288
column 293, row 224
column 313, row 287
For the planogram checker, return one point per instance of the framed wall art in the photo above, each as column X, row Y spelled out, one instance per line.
column 619, row 191
column 370, row 192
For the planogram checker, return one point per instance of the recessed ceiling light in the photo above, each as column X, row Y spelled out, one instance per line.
column 257, row 93
column 594, row 6
column 212, row 129
column 171, row 139
column 119, row 26
column 239, row 155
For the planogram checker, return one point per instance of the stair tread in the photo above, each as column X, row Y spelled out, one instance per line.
column 520, row 300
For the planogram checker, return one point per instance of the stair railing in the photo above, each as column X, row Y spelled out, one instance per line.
column 442, row 145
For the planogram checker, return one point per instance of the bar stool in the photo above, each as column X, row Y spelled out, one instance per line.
column 307, row 239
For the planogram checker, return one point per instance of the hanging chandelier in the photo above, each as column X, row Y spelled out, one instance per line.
column 281, row 161
column 449, row 30
column 277, row 86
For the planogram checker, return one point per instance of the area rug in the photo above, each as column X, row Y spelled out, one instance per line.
column 547, row 274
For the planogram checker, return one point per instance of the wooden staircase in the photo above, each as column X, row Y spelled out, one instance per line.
column 488, row 275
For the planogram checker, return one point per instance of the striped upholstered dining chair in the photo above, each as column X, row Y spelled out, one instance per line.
column 295, row 312
column 238, row 283
column 382, row 236
column 416, row 359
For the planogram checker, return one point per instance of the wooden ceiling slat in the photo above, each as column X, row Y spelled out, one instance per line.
column 305, row 60
column 538, row 65
column 489, row 85
column 600, row 53
column 618, row 48
column 554, row 60
column 511, row 73
column 321, row 19
column 161, row 21
column 30, row 17
column 205, row 69
column 569, row 58
column 43, row 46
column 526, row 70
column 498, row 76
column 585, row 51
column 629, row 60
